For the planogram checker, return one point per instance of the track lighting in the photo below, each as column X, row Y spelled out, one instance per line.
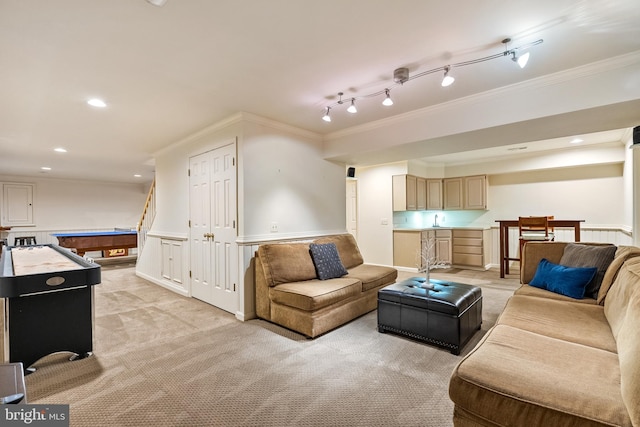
column 352, row 108
column 401, row 75
column 387, row 101
column 522, row 59
column 447, row 80
column 327, row 117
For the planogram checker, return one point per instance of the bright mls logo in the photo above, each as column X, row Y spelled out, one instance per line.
column 35, row 415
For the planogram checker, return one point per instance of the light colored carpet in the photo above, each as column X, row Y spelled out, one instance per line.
column 164, row 360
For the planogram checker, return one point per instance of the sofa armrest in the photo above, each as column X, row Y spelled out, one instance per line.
column 263, row 303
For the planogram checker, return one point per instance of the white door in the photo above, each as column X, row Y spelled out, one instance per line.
column 214, row 252
column 352, row 207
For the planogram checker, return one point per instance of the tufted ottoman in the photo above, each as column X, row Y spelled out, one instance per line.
column 446, row 316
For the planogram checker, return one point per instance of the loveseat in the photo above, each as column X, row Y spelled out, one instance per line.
column 554, row 360
column 290, row 293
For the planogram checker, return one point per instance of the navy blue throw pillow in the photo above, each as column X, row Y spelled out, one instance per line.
column 568, row 281
column 327, row 260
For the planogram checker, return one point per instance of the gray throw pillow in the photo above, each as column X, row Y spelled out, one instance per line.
column 577, row 255
column 327, row 260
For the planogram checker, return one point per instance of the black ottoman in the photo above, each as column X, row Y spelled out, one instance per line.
column 446, row 316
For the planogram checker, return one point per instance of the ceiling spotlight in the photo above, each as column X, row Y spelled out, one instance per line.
column 157, row 2
column 387, row 101
column 522, row 59
column 59, row 150
column 327, row 117
column 352, row 108
column 96, row 102
column 45, row 168
column 447, row 79
column 576, row 140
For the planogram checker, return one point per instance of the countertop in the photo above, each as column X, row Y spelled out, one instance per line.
column 458, row 227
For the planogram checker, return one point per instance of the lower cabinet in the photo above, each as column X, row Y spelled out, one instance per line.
column 409, row 247
column 171, row 264
column 471, row 247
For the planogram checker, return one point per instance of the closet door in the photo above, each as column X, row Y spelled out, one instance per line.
column 214, row 252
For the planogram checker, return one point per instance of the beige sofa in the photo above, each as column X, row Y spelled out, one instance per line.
column 289, row 293
column 551, row 360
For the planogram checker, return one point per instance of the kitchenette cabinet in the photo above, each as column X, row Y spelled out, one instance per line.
column 409, row 245
column 471, row 247
column 467, row 192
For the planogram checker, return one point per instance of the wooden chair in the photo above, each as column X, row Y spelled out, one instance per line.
column 534, row 228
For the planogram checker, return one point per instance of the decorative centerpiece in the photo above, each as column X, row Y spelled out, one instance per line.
column 427, row 260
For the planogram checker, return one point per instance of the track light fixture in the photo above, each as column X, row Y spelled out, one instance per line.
column 327, row 117
column 401, row 75
column 447, row 80
column 352, row 108
column 387, row 101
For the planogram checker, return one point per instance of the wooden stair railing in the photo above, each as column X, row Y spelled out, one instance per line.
column 148, row 214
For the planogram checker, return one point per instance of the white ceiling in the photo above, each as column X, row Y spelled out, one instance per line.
column 167, row 72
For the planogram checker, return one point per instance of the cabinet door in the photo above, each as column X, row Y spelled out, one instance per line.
column 443, row 250
column 17, row 207
column 404, row 193
column 412, row 202
column 406, row 248
column 475, row 192
column 421, row 194
column 434, row 194
column 452, row 193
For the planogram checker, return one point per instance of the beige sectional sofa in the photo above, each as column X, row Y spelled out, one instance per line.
column 552, row 360
column 289, row 293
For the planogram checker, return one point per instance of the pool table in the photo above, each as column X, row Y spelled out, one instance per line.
column 107, row 241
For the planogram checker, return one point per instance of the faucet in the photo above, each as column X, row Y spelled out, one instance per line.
column 435, row 221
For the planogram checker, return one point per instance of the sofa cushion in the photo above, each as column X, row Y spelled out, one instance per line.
column 373, row 276
column 326, row 260
column 577, row 255
column 622, row 255
column 569, row 321
column 532, row 291
column 315, row 294
column 347, row 248
column 520, row 378
column 569, row 281
column 286, row 262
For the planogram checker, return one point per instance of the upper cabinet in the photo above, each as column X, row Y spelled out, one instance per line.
column 467, row 192
column 475, row 190
column 412, row 193
column 453, row 193
column 434, row 195
column 404, row 190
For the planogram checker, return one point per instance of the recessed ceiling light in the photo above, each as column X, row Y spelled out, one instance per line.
column 137, row 176
column 97, row 102
column 59, row 150
column 45, row 168
column 577, row 140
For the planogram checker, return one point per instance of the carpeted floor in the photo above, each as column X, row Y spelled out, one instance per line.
column 164, row 360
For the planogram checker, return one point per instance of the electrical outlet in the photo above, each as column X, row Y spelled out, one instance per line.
column 274, row 227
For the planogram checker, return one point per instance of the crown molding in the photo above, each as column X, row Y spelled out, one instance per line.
column 263, row 121
column 231, row 120
column 594, row 68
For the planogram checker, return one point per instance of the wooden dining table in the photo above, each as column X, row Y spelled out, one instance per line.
column 504, row 238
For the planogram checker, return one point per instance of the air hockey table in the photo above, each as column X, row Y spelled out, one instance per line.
column 48, row 294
